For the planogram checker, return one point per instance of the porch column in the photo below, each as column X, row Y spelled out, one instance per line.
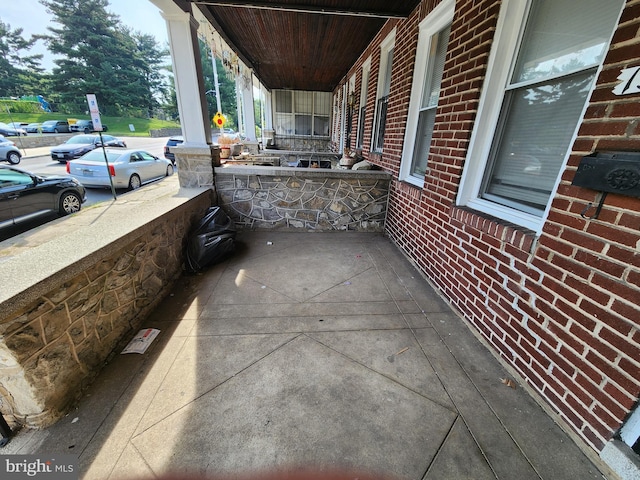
column 246, row 95
column 195, row 156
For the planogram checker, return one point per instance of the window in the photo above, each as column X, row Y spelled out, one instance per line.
column 384, row 86
column 301, row 113
column 630, row 432
column 11, row 178
column 433, row 40
column 534, row 99
column 366, row 69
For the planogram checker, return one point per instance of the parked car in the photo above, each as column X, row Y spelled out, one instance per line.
column 9, row 152
column 128, row 169
column 25, row 195
column 33, row 127
column 18, row 125
column 85, row 126
column 9, row 131
column 78, row 145
column 55, row 126
column 172, row 142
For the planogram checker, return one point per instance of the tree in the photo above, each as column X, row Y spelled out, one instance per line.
column 18, row 71
column 100, row 57
column 152, row 69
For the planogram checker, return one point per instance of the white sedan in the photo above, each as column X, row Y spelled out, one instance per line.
column 127, row 168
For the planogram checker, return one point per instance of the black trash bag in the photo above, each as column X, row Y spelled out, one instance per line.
column 212, row 241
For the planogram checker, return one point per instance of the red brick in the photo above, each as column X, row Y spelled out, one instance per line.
column 612, row 373
column 616, row 287
column 600, row 263
column 625, row 399
column 622, row 344
column 630, row 314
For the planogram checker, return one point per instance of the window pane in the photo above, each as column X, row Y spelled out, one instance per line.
column 283, row 101
column 303, row 102
column 381, row 123
column 284, row 124
column 322, row 103
column 365, row 87
column 387, row 74
column 303, row 124
column 564, row 36
column 433, row 78
column 537, row 125
column 426, row 121
column 321, row 126
column 361, row 117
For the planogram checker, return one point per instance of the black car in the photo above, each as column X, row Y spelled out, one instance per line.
column 172, row 142
column 78, row 145
column 25, row 196
column 10, row 131
column 85, row 126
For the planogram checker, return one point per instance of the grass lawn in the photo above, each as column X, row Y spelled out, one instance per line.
column 115, row 125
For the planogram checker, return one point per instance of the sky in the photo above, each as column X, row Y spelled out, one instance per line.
column 32, row 17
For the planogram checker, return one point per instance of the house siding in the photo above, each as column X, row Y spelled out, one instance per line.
column 561, row 307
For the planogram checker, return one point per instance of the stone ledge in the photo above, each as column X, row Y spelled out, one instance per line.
column 35, row 260
column 303, row 172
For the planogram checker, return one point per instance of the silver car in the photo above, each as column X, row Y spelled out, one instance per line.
column 127, row 168
column 9, row 152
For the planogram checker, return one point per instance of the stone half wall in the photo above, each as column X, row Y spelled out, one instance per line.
column 56, row 334
column 303, row 198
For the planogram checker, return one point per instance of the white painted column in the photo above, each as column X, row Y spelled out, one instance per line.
column 249, row 118
column 268, row 110
column 187, row 72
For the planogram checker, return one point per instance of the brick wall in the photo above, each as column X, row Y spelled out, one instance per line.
column 561, row 309
column 593, row 266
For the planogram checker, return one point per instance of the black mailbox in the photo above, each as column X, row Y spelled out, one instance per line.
column 611, row 172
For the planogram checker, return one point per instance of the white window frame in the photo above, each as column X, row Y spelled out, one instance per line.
column 511, row 22
column 630, row 431
column 315, row 113
column 429, row 28
column 385, row 47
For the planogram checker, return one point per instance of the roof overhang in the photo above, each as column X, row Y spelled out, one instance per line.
column 300, row 45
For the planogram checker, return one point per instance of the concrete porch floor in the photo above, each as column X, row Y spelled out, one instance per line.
column 318, row 350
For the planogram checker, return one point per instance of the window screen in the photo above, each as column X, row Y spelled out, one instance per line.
column 561, row 49
column 429, row 102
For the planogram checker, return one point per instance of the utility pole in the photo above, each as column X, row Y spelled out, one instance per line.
column 215, row 82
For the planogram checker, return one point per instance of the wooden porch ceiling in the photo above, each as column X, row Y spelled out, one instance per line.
column 300, row 44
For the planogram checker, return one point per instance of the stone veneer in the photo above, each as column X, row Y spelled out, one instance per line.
column 195, row 164
column 80, row 304
column 303, row 198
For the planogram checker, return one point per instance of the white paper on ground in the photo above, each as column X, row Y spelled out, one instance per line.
column 141, row 341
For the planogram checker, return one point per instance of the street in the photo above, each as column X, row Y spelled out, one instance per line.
column 43, row 164
column 38, row 160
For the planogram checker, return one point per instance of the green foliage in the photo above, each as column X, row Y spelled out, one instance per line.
column 116, row 125
column 98, row 56
column 16, row 67
column 20, row 106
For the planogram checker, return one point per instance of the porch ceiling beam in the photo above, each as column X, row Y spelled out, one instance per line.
column 300, row 8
